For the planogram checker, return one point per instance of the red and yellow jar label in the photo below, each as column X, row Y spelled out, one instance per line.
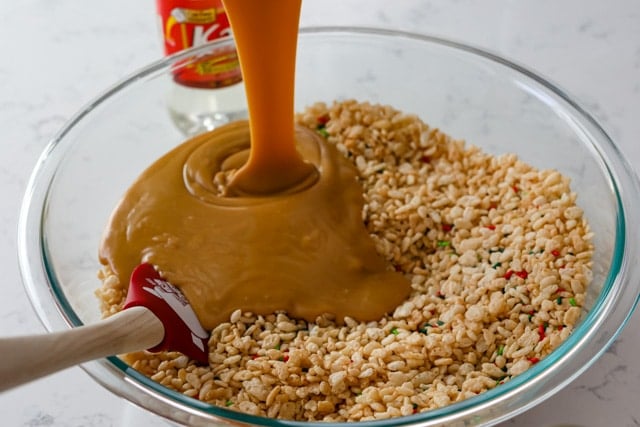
column 189, row 23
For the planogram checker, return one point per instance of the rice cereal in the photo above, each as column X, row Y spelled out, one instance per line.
column 499, row 257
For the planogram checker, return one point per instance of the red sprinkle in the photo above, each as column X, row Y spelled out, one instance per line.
column 533, row 360
column 560, row 290
column 447, row 227
column 490, row 227
column 521, row 274
column 555, row 253
column 254, row 356
column 560, row 327
column 541, row 332
column 323, row 119
column 425, row 159
column 285, row 358
column 515, row 188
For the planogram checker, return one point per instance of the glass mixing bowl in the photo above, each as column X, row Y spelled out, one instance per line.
column 468, row 93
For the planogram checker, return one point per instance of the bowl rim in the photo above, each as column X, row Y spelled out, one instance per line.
column 37, row 273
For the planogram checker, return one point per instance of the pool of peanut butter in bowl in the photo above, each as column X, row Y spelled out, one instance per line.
column 307, row 253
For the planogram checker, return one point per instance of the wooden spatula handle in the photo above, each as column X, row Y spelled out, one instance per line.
column 26, row 358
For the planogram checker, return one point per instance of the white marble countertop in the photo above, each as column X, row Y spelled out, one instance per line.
column 57, row 55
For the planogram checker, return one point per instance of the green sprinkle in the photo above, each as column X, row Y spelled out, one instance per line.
column 395, row 331
column 440, row 322
column 559, row 300
column 500, row 350
column 323, row 132
column 423, row 330
column 277, row 347
column 573, row 302
column 443, row 243
column 496, row 265
column 228, row 403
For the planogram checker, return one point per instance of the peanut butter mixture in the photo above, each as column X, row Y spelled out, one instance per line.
column 306, row 252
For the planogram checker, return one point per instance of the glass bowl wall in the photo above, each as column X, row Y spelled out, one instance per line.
column 468, row 93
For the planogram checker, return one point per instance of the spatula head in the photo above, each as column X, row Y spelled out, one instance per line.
column 182, row 330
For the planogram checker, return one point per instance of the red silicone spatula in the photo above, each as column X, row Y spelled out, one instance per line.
column 156, row 316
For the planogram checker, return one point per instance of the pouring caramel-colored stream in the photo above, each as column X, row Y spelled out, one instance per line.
column 289, row 233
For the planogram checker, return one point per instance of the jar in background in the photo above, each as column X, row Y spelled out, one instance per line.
column 207, row 91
